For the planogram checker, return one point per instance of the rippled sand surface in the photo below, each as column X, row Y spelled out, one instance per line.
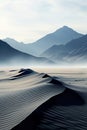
column 53, row 100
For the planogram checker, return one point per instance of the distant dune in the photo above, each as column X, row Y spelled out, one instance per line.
column 37, row 101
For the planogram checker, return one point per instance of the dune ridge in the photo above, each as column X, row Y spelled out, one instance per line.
column 35, row 101
column 64, row 111
column 21, row 96
column 52, row 114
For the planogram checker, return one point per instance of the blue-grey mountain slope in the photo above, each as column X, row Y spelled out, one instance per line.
column 19, row 45
column 75, row 51
column 60, row 36
column 11, row 56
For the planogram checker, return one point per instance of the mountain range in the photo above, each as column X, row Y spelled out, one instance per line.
column 74, row 51
column 59, row 37
column 11, row 56
column 63, row 46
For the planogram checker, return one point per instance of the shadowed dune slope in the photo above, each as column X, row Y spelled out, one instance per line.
column 55, row 113
column 36, row 101
column 21, row 96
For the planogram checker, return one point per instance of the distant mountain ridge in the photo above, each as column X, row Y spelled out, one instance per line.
column 19, row 45
column 11, row 56
column 60, row 36
column 74, row 51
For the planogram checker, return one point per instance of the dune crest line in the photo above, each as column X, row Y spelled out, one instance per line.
column 21, row 92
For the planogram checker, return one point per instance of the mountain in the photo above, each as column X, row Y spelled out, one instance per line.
column 13, row 42
column 19, row 45
column 11, row 56
column 74, row 51
column 60, row 36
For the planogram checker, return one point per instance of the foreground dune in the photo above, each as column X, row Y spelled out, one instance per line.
column 21, row 92
column 31, row 100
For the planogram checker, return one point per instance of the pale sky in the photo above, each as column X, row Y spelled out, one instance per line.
column 29, row 20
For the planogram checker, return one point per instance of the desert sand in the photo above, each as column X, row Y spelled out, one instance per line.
column 30, row 100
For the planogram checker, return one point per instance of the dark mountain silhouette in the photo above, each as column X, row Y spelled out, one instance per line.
column 19, row 46
column 11, row 56
column 60, row 36
column 13, row 42
column 75, row 51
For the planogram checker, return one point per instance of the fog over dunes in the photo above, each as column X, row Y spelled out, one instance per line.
column 43, row 65
column 31, row 100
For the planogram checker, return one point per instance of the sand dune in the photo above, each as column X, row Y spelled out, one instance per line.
column 37, row 101
column 66, row 111
column 21, row 92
